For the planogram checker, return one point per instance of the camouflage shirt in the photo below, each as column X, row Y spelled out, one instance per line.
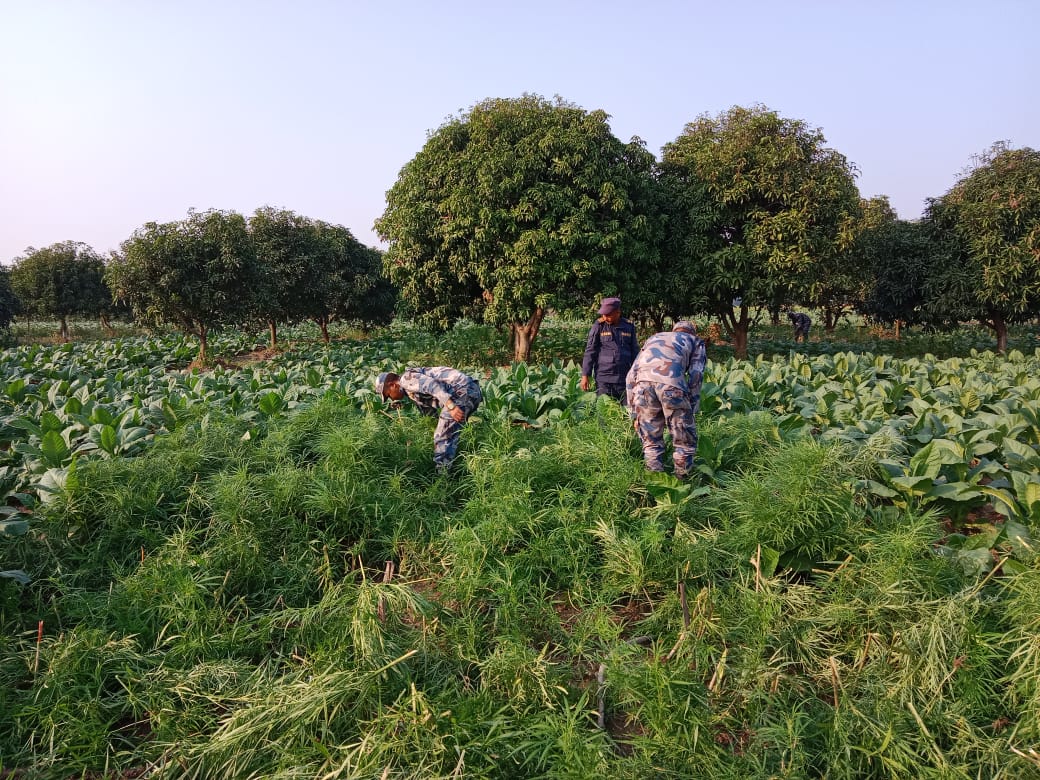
column 432, row 388
column 671, row 358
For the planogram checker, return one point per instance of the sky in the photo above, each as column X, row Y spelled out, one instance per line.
column 114, row 114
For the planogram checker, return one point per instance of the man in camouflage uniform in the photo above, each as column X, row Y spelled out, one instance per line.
column 609, row 351
column 801, row 324
column 436, row 389
column 664, row 390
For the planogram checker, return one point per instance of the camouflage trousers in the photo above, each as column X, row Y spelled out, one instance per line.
column 449, row 431
column 658, row 407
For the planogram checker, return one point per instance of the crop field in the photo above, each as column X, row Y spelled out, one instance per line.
column 255, row 572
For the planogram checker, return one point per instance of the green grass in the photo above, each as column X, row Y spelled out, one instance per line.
column 315, row 601
column 306, row 597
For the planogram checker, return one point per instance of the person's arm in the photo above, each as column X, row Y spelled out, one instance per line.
column 698, row 362
column 588, row 362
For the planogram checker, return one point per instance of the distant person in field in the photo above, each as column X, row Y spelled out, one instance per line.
column 801, row 324
column 437, row 390
column 664, row 392
column 609, row 351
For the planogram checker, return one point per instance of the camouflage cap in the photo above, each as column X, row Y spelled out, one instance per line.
column 686, row 326
column 381, row 383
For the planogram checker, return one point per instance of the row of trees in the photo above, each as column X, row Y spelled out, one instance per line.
column 212, row 269
column 521, row 206
column 61, row 281
column 524, row 205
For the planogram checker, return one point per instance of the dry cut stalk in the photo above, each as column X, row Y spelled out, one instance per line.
column 835, row 680
column 720, row 671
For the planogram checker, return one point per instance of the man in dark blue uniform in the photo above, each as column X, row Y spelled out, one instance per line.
column 801, row 324
column 611, row 347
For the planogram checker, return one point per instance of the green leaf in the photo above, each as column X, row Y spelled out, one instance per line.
column 919, row 485
column 929, row 460
column 1020, row 540
column 108, row 439
column 54, row 449
column 666, row 489
column 1007, row 504
column 1018, row 453
column 878, row 489
column 974, row 562
column 769, row 561
column 270, row 404
column 954, row 491
column 1011, row 566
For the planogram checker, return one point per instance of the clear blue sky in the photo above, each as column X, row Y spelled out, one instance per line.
column 113, row 114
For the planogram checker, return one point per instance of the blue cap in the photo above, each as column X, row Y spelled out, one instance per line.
column 607, row 305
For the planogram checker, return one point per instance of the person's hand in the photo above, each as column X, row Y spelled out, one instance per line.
column 584, row 384
column 457, row 414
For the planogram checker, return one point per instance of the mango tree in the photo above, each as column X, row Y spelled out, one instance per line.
column 897, row 253
column 286, row 249
column 9, row 305
column 197, row 274
column 60, row 281
column 985, row 231
column 518, row 206
column 761, row 206
column 840, row 285
column 354, row 287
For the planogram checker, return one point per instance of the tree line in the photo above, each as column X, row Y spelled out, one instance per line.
column 212, row 269
column 522, row 206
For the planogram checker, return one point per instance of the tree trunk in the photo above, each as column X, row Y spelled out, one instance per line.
column 106, row 325
column 64, row 328
column 740, row 340
column 898, row 323
column 324, row 325
column 1000, row 328
column 273, row 327
column 203, row 357
column 831, row 315
column 774, row 315
column 737, row 328
column 524, row 334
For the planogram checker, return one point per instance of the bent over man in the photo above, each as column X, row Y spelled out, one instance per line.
column 609, row 351
column 664, row 391
column 801, row 324
column 436, row 389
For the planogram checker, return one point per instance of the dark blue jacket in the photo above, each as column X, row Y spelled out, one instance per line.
column 609, row 351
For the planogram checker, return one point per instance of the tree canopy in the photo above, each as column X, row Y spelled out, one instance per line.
column 761, row 205
column 517, row 206
column 986, row 243
column 197, row 274
column 9, row 305
column 60, row 281
column 896, row 254
column 287, row 252
column 353, row 287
